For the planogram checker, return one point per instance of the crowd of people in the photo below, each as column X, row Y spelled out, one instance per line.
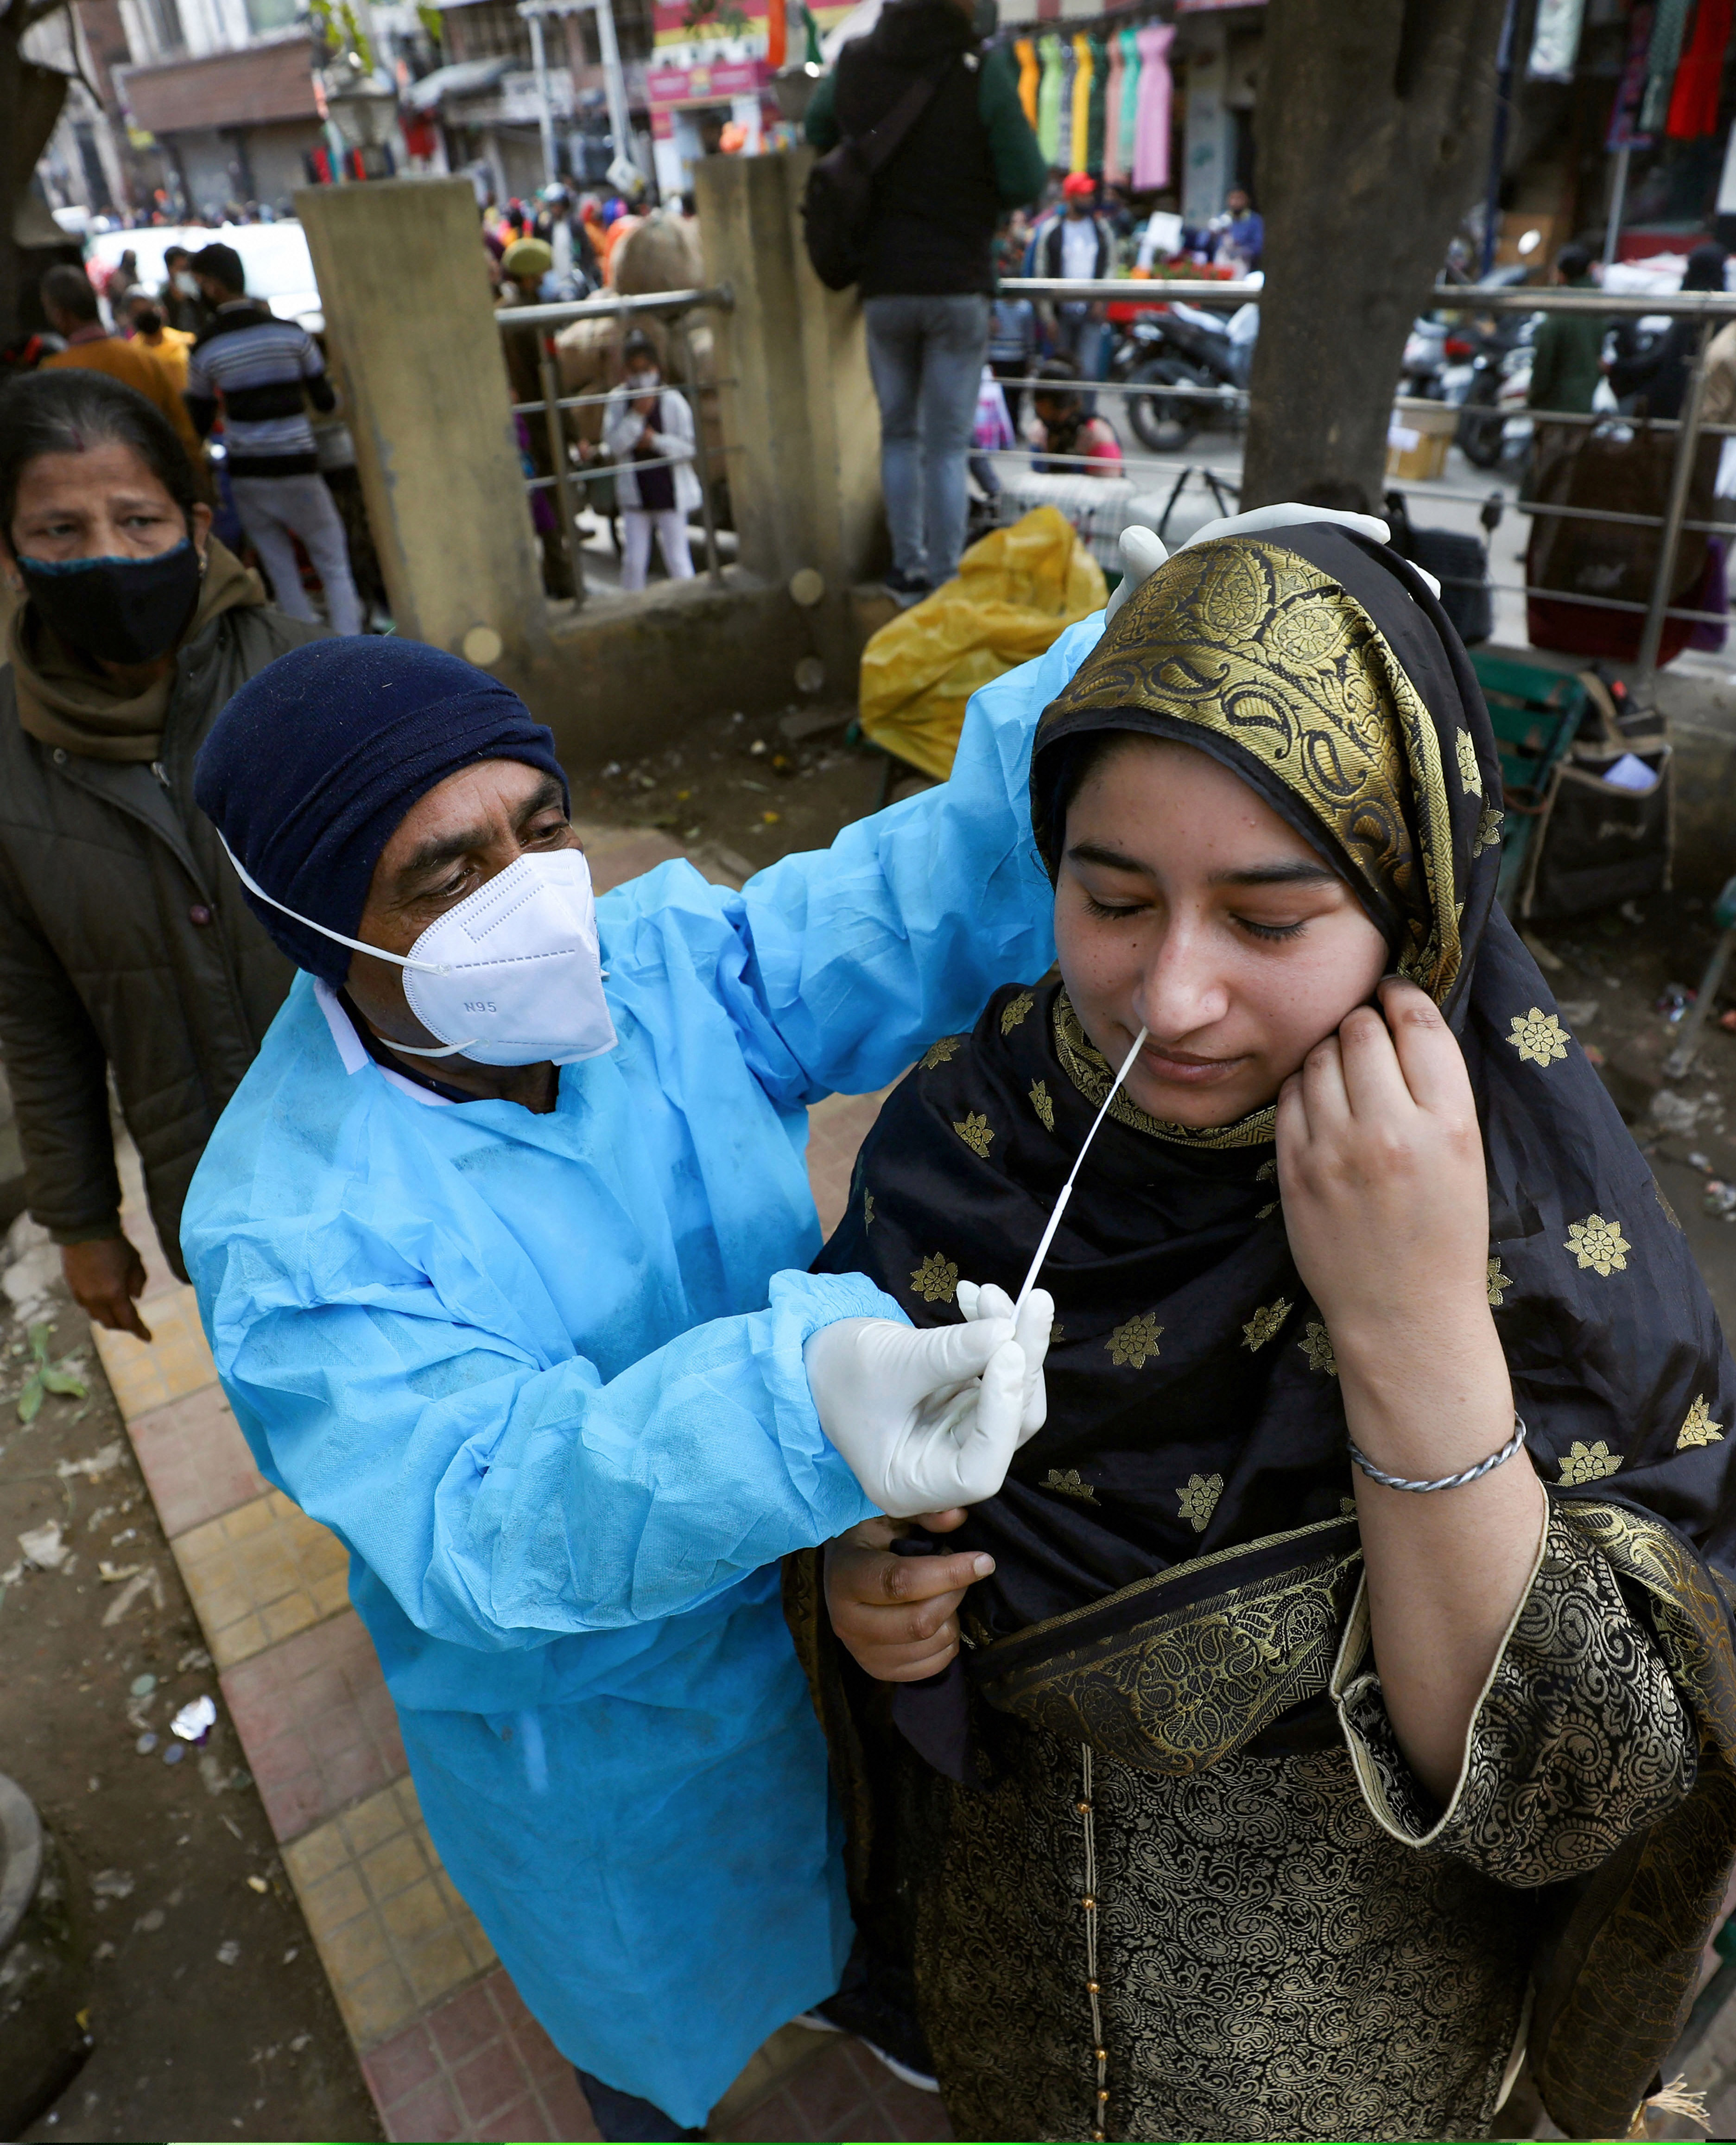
column 225, row 373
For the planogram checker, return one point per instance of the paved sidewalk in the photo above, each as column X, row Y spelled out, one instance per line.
column 449, row 2049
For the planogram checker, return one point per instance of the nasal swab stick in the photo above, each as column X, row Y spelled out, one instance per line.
column 1067, row 1189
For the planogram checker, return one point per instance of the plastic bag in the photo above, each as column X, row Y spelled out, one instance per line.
column 1016, row 591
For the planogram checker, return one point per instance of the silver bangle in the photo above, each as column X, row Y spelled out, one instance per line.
column 1445, row 1482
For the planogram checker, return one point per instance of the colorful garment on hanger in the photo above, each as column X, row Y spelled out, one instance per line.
column 1048, row 100
column 1098, row 111
column 1124, row 116
column 1030, row 77
column 1114, row 171
column 1694, row 101
column 1151, row 123
column 1665, row 49
column 1080, row 159
column 1555, row 40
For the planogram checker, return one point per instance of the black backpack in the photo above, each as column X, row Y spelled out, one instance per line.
column 838, row 199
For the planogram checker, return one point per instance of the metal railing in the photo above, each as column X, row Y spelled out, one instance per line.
column 1711, row 309
column 563, row 480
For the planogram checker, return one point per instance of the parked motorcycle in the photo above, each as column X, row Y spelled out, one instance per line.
column 1184, row 346
column 1494, row 432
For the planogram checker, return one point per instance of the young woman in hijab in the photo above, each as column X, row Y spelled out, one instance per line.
column 1349, row 1703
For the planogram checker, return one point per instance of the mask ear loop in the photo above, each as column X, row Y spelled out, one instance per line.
column 357, row 946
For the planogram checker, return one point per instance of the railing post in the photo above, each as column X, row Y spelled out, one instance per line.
column 1681, row 481
column 701, row 457
column 558, row 459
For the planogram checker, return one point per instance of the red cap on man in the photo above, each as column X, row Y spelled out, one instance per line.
column 1077, row 184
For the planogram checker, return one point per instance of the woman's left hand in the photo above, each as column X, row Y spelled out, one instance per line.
column 1380, row 1165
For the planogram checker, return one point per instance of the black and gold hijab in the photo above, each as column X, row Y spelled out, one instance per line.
column 1194, row 1451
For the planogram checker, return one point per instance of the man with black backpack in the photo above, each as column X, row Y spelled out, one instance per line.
column 934, row 126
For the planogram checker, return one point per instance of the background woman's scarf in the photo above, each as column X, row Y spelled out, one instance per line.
column 66, row 701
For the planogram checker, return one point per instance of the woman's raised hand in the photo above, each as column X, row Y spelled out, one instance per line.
column 1380, row 1165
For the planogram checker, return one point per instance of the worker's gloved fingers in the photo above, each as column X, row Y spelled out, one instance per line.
column 1287, row 515
column 1144, row 551
column 987, row 1301
column 987, row 1437
column 926, row 1366
column 1034, row 1330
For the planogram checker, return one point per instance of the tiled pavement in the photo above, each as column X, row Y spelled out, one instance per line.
column 447, row 2047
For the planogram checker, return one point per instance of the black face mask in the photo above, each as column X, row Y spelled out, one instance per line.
column 116, row 610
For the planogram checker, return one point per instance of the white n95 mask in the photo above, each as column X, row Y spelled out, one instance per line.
column 512, row 976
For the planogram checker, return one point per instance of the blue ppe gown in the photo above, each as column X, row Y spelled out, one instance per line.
column 543, row 1376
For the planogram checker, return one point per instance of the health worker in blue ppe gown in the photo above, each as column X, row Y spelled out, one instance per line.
column 501, row 1247
column 529, row 1336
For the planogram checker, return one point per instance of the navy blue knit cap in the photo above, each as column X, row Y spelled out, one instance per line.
column 308, row 772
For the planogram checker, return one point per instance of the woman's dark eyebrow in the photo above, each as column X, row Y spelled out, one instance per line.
column 1094, row 853
column 1298, row 871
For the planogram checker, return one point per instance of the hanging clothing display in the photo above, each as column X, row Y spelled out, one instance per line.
column 1030, row 77
column 1048, row 101
column 1665, row 49
column 1080, row 159
column 1125, row 115
column 1151, row 122
column 1555, row 40
column 1096, row 111
column 1115, row 170
column 1694, row 101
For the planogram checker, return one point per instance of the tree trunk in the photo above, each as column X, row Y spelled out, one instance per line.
column 1372, row 133
column 30, row 97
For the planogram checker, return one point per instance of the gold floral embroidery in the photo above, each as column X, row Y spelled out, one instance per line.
column 1199, row 1499
column 1134, row 1341
column 1014, row 1011
column 1588, row 1463
column 1700, row 1428
column 1265, row 1323
column 867, row 1209
column 1347, row 1508
column 1267, row 1211
column 1069, row 1485
column 1316, row 1344
column 936, row 1279
column 1596, row 1242
column 1538, row 1036
column 941, row 1052
column 1058, row 1333
column 976, row 1133
column 1498, row 1284
column 1488, row 830
column 1266, row 1171
column 1470, row 773
column 1041, row 1103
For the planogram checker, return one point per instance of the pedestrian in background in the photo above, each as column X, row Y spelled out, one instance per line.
column 1071, row 440
column 262, row 373
column 149, row 331
column 649, row 423
column 928, row 274
column 1567, row 351
column 70, row 304
column 1079, row 245
column 1656, row 372
column 125, row 946
column 182, row 301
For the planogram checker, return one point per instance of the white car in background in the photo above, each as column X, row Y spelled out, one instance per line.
column 278, row 266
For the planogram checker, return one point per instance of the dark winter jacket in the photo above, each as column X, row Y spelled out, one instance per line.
column 125, row 945
column 971, row 155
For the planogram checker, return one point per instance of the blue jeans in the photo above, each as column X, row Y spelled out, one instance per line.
column 926, row 355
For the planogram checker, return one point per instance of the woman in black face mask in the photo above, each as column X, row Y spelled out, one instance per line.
column 124, row 940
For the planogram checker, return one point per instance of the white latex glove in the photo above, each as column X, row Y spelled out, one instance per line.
column 1144, row 551
column 924, row 1419
column 1035, row 1323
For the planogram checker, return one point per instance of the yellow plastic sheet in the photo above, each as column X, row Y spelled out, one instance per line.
column 1016, row 591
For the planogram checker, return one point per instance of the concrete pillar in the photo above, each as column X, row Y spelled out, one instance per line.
column 410, row 318
column 804, row 479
